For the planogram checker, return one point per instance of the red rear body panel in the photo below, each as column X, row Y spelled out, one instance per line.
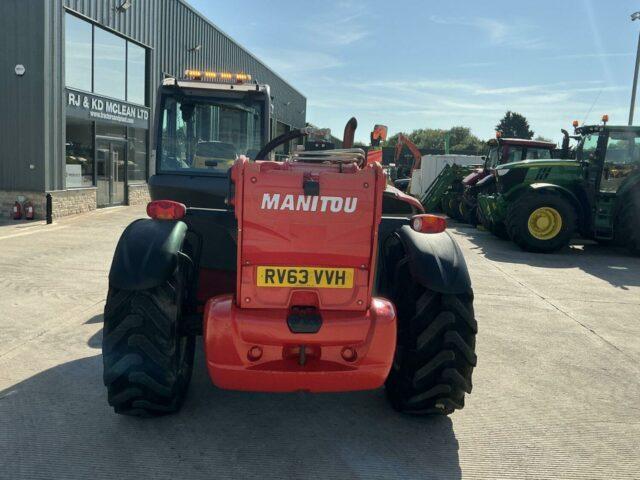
column 280, row 226
column 298, row 216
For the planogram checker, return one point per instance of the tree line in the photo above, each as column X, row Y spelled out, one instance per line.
column 461, row 140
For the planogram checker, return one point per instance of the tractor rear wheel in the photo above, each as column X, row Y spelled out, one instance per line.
column 435, row 353
column 541, row 222
column 147, row 360
column 628, row 224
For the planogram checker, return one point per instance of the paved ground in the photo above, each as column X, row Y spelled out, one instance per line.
column 557, row 388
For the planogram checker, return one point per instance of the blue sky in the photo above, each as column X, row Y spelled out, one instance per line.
column 426, row 64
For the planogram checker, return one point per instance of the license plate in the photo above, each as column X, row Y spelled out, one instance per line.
column 313, row 277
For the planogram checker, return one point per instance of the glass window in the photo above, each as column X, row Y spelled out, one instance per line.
column 137, row 159
column 588, row 147
column 77, row 48
column 492, row 158
column 110, row 130
column 136, row 73
column 622, row 158
column 79, row 153
column 623, row 148
column 538, row 153
column 209, row 134
column 109, row 64
column 514, row 153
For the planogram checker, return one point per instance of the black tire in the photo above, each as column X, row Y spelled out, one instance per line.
column 468, row 213
column 482, row 220
column 628, row 223
column 454, row 207
column 147, row 360
column 444, row 206
column 518, row 218
column 435, row 354
column 498, row 229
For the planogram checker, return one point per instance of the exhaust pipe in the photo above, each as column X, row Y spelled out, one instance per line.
column 349, row 133
column 564, row 153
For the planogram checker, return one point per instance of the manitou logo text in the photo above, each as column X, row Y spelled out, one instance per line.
column 304, row 203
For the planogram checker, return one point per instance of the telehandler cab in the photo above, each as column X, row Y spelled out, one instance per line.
column 313, row 275
column 543, row 204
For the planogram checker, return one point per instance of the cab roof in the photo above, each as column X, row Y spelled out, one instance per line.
column 522, row 142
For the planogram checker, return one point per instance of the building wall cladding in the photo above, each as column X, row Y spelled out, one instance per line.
column 32, row 33
column 22, row 97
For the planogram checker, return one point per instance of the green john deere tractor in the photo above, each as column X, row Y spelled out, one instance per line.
column 542, row 204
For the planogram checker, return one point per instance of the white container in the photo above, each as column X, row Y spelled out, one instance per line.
column 432, row 165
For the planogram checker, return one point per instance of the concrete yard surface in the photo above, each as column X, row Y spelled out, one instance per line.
column 556, row 390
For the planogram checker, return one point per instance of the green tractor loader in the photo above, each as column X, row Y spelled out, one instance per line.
column 445, row 191
column 542, row 204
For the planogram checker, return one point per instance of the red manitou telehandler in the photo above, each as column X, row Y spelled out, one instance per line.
column 314, row 275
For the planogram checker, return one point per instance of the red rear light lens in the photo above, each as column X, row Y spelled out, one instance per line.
column 426, row 223
column 166, row 210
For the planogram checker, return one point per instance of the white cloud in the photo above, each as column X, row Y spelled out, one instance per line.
column 290, row 62
column 589, row 56
column 405, row 106
column 340, row 27
column 477, row 64
column 514, row 33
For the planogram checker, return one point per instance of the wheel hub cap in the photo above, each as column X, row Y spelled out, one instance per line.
column 545, row 223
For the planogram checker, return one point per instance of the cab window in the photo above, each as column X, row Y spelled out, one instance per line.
column 538, row 154
column 588, row 147
column 514, row 154
column 492, row 158
column 208, row 135
column 623, row 148
column 622, row 157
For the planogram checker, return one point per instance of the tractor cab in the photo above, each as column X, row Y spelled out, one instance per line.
column 204, row 122
column 610, row 156
column 508, row 150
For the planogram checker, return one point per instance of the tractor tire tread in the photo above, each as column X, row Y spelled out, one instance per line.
column 145, row 372
column 435, row 356
column 628, row 223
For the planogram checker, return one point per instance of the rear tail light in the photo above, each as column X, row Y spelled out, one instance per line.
column 426, row 223
column 166, row 210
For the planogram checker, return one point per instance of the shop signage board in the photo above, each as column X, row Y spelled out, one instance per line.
column 93, row 107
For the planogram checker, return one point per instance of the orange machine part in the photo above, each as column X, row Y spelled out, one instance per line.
column 254, row 350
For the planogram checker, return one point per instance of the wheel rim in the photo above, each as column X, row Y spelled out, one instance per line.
column 545, row 223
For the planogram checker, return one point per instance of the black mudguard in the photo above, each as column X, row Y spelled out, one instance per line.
column 147, row 254
column 435, row 261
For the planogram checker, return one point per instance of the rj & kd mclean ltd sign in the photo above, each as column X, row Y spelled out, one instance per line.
column 92, row 107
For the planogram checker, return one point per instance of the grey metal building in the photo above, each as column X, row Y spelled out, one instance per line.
column 77, row 84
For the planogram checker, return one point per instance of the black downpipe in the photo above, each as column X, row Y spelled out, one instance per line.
column 49, row 209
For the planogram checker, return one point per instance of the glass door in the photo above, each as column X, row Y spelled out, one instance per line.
column 111, row 158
